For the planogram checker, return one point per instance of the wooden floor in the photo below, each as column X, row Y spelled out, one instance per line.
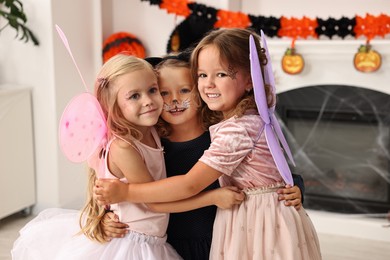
column 333, row 247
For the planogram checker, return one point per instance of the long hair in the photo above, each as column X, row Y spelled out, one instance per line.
column 92, row 213
column 106, row 93
column 233, row 47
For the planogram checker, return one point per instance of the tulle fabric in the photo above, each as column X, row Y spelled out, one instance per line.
column 53, row 235
column 42, row 237
column 134, row 246
column 264, row 228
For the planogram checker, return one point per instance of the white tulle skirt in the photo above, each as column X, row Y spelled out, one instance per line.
column 53, row 234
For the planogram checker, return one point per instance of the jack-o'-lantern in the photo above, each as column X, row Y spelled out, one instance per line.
column 366, row 59
column 292, row 62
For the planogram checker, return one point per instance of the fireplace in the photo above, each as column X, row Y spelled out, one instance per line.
column 340, row 138
column 329, row 69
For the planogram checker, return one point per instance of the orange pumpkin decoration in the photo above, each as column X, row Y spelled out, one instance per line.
column 292, row 62
column 366, row 59
column 122, row 42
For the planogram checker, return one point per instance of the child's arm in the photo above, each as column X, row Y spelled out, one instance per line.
column 124, row 161
column 224, row 198
column 165, row 190
column 183, row 186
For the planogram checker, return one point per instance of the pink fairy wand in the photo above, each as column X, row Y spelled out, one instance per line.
column 272, row 129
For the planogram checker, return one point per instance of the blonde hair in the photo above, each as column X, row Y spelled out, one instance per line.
column 106, row 93
column 206, row 117
column 92, row 213
column 233, row 46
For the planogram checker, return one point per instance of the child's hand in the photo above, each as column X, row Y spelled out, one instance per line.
column 111, row 226
column 110, row 191
column 227, row 197
column 291, row 195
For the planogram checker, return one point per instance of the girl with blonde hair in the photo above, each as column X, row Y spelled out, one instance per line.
column 128, row 93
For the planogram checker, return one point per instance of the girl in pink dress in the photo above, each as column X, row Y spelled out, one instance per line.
column 129, row 96
column 239, row 155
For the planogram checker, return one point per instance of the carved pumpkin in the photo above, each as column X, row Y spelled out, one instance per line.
column 292, row 62
column 366, row 59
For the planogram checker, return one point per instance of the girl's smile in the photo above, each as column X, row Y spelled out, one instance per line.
column 218, row 87
column 176, row 90
column 139, row 98
column 150, row 112
column 213, row 95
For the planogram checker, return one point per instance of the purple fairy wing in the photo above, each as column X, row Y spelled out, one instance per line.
column 267, row 115
column 258, row 85
column 282, row 139
column 268, row 72
column 278, row 155
column 270, row 79
column 82, row 128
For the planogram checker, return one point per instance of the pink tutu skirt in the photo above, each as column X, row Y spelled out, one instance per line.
column 264, row 228
column 53, row 235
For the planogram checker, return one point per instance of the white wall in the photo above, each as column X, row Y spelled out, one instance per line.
column 24, row 65
column 48, row 70
column 82, row 26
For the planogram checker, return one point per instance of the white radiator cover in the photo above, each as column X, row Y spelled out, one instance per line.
column 17, row 170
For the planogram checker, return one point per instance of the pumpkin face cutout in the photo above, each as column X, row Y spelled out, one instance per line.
column 367, row 60
column 292, row 62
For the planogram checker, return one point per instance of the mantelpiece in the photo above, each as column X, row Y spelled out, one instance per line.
column 330, row 62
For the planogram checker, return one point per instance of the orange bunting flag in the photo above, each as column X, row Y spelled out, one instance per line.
column 178, row 7
column 372, row 26
column 369, row 26
column 228, row 19
column 298, row 28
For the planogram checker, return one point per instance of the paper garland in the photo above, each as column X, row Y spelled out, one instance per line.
column 369, row 26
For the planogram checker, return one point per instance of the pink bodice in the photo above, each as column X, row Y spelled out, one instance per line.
column 137, row 215
column 239, row 150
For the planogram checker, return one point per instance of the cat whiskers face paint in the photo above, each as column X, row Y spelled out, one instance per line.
column 175, row 106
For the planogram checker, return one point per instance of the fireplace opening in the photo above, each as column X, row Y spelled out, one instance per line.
column 340, row 139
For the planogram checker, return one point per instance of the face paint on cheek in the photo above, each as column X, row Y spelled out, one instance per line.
column 177, row 105
column 232, row 72
column 166, row 107
column 186, row 104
